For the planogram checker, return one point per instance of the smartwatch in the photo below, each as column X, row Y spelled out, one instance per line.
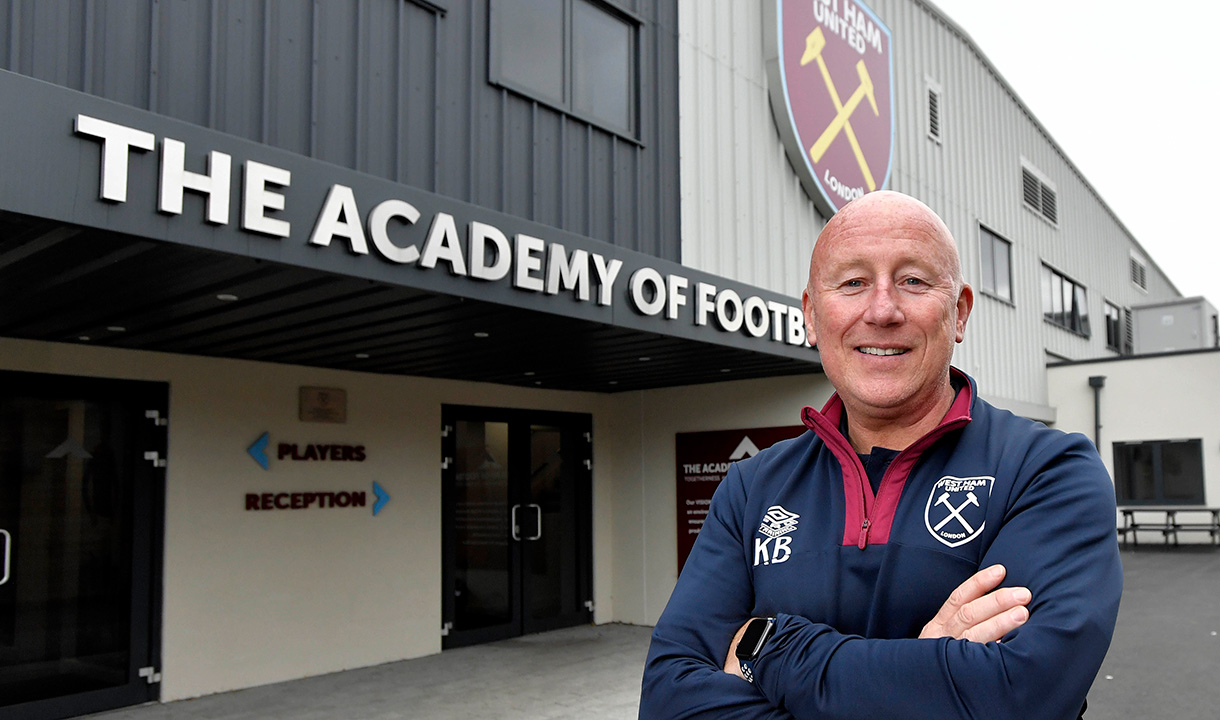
column 758, row 631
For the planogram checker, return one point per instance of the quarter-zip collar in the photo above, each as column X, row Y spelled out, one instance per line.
column 869, row 519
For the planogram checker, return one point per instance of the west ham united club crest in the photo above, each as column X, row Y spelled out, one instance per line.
column 830, row 69
column 957, row 508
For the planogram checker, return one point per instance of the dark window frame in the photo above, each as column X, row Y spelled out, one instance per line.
column 989, row 240
column 1114, row 326
column 565, row 104
column 1125, row 481
column 1058, row 293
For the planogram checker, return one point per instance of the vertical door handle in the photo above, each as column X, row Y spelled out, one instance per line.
column 538, row 509
column 516, row 527
column 8, row 547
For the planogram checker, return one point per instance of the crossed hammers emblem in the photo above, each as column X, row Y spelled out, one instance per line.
column 814, row 44
column 956, row 512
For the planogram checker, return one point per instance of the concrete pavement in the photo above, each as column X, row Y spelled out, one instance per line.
column 1164, row 663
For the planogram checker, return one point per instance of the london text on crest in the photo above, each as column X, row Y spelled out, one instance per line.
column 957, row 508
column 830, row 71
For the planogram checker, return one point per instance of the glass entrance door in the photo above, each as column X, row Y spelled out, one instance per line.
column 80, row 486
column 517, row 522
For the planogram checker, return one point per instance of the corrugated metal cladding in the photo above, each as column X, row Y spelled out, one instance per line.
column 744, row 215
column 395, row 88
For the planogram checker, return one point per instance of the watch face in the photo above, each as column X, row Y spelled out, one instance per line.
column 755, row 635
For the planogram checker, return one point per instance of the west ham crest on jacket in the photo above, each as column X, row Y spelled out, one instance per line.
column 830, row 72
column 957, row 508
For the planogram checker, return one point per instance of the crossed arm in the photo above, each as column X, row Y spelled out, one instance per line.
column 1057, row 544
column 975, row 611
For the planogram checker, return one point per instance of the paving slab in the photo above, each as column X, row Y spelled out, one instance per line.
column 1164, row 663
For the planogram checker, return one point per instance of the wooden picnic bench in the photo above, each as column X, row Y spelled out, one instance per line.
column 1168, row 523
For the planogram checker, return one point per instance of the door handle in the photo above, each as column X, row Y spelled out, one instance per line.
column 538, row 509
column 8, row 547
column 516, row 527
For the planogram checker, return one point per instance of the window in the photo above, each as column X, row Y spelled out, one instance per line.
column 1139, row 273
column 575, row 55
column 1114, row 329
column 1159, row 472
column 1064, row 302
column 1039, row 194
column 996, row 253
column 934, row 97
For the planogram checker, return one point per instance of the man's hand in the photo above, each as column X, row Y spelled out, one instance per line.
column 978, row 612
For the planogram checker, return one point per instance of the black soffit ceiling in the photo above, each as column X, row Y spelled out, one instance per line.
column 65, row 283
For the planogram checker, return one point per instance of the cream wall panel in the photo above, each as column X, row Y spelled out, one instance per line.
column 1153, row 398
column 259, row 597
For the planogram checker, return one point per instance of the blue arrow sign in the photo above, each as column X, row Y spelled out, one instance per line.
column 258, row 450
column 383, row 497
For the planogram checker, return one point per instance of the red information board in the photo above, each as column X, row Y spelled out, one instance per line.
column 703, row 461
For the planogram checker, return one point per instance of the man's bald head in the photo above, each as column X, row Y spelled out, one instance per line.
column 894, row 210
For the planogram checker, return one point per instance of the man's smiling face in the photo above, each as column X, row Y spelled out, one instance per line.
column 885, row 305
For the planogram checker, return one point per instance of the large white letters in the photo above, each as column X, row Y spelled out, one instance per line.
column 257, row 199
column 117, row 141
column 340, row 217
column 175, row 179
column 379, row 229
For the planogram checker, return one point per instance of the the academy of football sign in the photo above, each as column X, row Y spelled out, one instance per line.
column 830, row 69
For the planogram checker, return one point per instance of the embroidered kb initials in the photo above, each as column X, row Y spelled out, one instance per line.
column 770, row 551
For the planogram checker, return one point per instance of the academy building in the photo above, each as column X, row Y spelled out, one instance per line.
column 343, row 332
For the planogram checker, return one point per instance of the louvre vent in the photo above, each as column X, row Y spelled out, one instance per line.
column 934, row 114
column 1139, row 274
column 1050, row 208
column 1039, row 196
column 1030, row 186
column 1128, row 333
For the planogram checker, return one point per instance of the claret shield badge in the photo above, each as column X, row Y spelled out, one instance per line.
column 957, row 508
column 830, row 70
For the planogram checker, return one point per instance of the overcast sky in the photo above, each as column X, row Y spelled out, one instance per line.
column 1131, row 91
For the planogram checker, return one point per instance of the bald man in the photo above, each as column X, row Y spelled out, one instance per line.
column 918, row 553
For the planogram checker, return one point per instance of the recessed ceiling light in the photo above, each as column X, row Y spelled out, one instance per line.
column 480, row 334
column 726, row 370
column 362, row 356
column 83, row 338
column 614, row 382
column 117, row 328
column 537, row 382
column 226, row 297
column 529, row 373
column 645, row 359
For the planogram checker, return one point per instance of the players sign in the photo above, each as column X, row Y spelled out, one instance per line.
column 831, row 75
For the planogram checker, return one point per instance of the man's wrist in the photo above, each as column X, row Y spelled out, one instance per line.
column 757, row 632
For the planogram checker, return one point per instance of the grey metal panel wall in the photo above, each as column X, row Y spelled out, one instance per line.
column 387, row 87
column 745, row 217
column 744, row 214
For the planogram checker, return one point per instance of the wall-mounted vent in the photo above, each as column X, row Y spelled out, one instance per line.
column 1050, row 207
column 934, row 113
column 1128, row 332
column 1039, row 195
column 1139, row 273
